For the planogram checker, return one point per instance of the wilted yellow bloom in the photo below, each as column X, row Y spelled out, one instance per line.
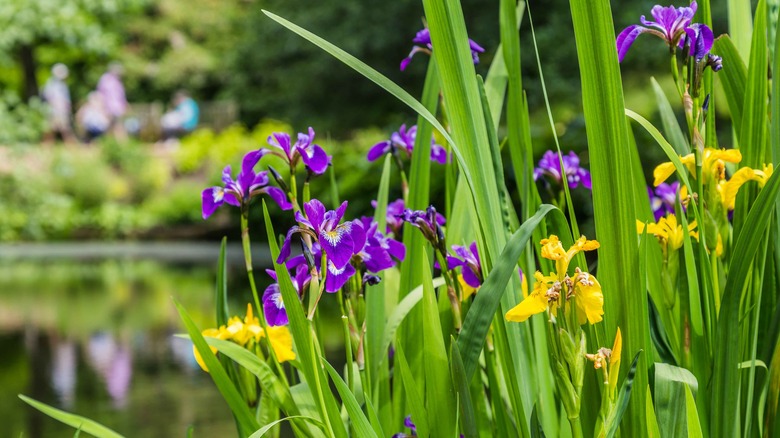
column 668, row 231
column 714, row 163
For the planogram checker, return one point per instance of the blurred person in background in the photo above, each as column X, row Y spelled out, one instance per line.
column 182, row 119
column 93, row 117
column 113, row 94
column 57, row 97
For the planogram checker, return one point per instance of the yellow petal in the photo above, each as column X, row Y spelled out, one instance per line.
column 535, row 303
column 552, row 249
column 731, row 187
column 614, row 361
column 589, row 298
column 281, row 342
column 662, row 172
column 466, row 289
column 211, row 333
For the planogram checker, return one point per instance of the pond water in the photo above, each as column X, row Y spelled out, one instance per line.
column 94, row 335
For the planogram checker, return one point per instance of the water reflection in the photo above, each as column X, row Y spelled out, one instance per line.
column 97, row 339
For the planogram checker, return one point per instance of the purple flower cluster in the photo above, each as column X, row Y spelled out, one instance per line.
column 313, row 156
column 403, row 141
column 673, row 25
column 242, row 190
column 345, row 244
column 423, row 44
column 663, row 198
column 550, row 166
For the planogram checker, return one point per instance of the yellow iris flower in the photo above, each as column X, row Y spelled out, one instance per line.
column 243, row 331
column 728, row 189
column 714, row 161
column 668, row 231
column 549, row 289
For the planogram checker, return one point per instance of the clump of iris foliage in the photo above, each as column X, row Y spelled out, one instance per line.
column 488, row 320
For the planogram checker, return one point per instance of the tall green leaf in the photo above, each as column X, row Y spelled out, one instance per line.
column 78, row 422
column 669, row 121
column 356, row 416
column 613, row 187
column 733, row 76
column 439, row 393
column 725, row 394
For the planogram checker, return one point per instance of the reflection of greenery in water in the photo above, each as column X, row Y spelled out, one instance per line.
column 44, row 305
column 78, row 299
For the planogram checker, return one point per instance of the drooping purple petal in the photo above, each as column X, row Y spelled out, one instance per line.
column 378, row 150
column 315, row 158
column 376, row 259
column 281, row 140
column 284, row 252
column 396, row 249
column 700, row 39
column 470, row 278
column 273, row 306
column 212, row 198
column 337, row 243
column 438, row 154
column 338, row 277
column 627, row 38
column 279, row 197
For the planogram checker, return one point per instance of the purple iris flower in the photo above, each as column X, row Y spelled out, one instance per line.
column 273, row 306
column 313, row 156
column 377, row 251
column 334, row 237
column 670, row 25
column 663, row 198
column 700, row 39
column 241, row 191
column 423, row 41
column 395, row 211
column 403, row 140
column 550, row 166
column 468, row 258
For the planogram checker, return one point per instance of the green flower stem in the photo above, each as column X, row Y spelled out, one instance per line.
column 347, row 339
column 576, row 427
column 250, row 273
column 453, row 291
column 314, row 299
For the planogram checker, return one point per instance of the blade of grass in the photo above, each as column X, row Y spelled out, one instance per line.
column 670, row 383
column 415, row 399
column 692, row 416
column 439, row 393
column 669, row 121
column 740, row 25
column 358, row 419
column 265, row 429
column 81, row 424
column 624, row 396
column 725, row 397
column 613, row 188
column 460, row 381
column 733, row 77
column 399, row 314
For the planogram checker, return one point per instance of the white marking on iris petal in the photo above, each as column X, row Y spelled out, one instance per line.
column 278, row 301
column 333, row 270
column 217, row 193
